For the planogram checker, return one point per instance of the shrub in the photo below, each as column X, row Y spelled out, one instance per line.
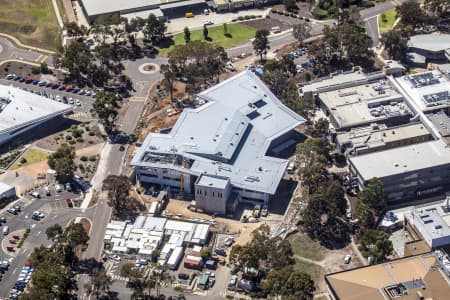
column 56, row 138
column 23, row 160
column 35, row 70
column 319, row 13
column 92, row 158
column 307, row 19
column 91, row 133
column 72, row 142
column 77, row 133
column 84, row 158
column 247, row 17
column 68, row 137
column 80, row 140
column 240, row 18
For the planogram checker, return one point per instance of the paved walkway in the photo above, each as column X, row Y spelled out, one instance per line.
column 58, row 15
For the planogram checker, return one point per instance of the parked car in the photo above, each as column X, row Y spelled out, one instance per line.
column 11, row 210
column 114, row 257
column 347, row 259
column 209, row 22
column 183, row 276
column 69, row 202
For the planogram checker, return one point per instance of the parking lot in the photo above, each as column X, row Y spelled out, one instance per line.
column 84, row 102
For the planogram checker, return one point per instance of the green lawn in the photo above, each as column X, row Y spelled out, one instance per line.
column 33, row 22
column 303, row 246
column 238, row 34
column 31, row 156
column 387, row 19
column 315, row 271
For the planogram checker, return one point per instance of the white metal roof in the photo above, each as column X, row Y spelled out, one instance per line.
column 98, row 7
column 5, row 187
column 402, row 160
column 229, row 135
column 430, row 42
column 25, row 108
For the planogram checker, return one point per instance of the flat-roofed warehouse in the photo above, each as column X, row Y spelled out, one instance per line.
column 407, row 172
column 411, row 278
column 172, row 8
column 21, row 111
column 218, row 151
column 371, row 102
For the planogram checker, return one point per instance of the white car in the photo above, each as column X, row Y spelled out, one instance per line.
column 115, row 257
column 77, row 102
column 10, row 76
column 209, row 22
column 347, row 259
column 71, row 101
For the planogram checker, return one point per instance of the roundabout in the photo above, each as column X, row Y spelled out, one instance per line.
column 148, row 68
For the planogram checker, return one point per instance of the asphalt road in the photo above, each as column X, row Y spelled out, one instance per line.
column 373, row 30
column 379, row 8
column 9, row 51
column 56, row 212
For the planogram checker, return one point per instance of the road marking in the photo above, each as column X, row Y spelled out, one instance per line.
column 54, row 217
column 15, row 270
column 39, row 233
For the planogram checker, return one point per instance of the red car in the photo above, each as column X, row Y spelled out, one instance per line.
column 29, row 79
column 69, row 202
column 55, row 86
column 69, row 88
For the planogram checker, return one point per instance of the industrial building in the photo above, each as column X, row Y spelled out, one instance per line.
column 360, row 105
column 21, row 111
column 410, row 278
column 164, row 8
column 379, row 137
column 219, row 152
column 147, row 234
column 7, row 191
column 431, row 224
column 407, row 172
column 431, row 46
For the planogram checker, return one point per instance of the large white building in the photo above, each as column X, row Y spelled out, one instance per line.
column 219, row 152
column 21, row 111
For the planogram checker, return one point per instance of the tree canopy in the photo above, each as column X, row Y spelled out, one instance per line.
column 105, row 108
column 261, row 42
column 376, row 244
column 288, row 283
column 62, row 161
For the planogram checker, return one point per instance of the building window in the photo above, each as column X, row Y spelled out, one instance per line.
column 213, row 194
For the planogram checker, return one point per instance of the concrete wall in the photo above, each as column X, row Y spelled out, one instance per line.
column 212, row 199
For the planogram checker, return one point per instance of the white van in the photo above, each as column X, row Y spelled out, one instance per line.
column 58, row 188
column 276, row 29
column 291, row 168
column 5, row 230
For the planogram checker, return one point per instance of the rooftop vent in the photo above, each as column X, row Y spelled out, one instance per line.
column 396, row 164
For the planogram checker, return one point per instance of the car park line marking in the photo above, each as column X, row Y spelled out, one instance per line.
column 39, row 233
column 15, row 270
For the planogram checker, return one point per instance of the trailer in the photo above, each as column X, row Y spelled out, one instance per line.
column 193, row 262
column 175, row 258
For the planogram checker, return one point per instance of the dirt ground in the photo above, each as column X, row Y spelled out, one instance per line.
column 51, row 144
column 267, row 24
column 304, row 8
column 232, row 226
column 69, row 15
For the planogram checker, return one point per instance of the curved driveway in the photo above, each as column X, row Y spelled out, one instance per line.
column 10, row 51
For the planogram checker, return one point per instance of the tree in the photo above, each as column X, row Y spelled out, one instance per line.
column 225, row 30
column 320, row 128
column 62, row 161
column 205, row 253
column 169, row 78
column 410, row 13
column 105, row 108
column 395, row 43
column 437, row 8
column 289, row 284
column 376, row 244
column 154, row 31
column 74, row 30
column 373, row 195
column 301, row 31
column 261, row 42
column 100, row 281
column 187, row 35
column 205, row 32
column 77, row 58
column 290, row 5
column 54, row 231
column 75, row 235
column 134, row 275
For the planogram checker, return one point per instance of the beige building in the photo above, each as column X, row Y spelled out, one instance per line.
column 411, row 278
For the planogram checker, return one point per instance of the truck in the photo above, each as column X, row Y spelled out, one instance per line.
column 175, row 258
column 193, row 262
column 291, row 168
column 211, row 264
column 203, row 282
